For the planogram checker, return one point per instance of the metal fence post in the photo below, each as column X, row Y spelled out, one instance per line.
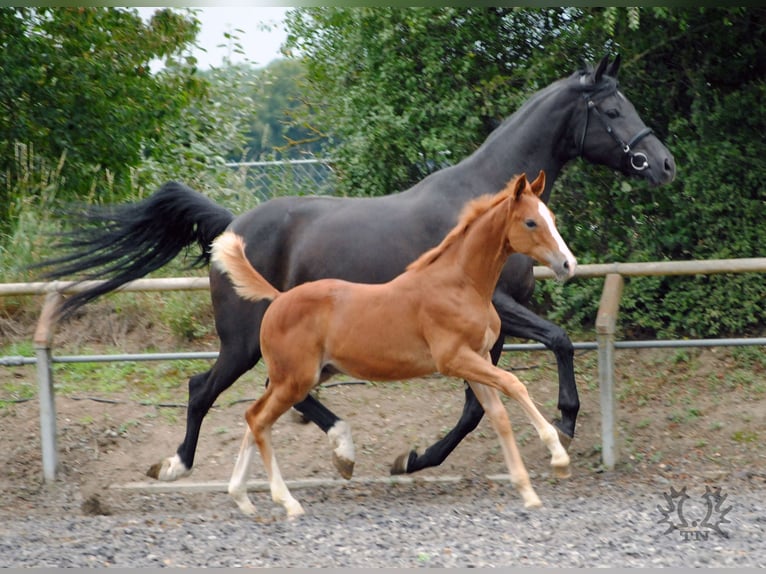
column 43, row 339
column 606, row 322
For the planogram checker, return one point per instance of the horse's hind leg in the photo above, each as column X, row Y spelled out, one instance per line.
column 498, row 416
column 204, row 389
column 260, row 417
column 238, row 481
column 338, row 431
column 238, row 325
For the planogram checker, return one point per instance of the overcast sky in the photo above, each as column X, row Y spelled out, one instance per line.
column 260, row 47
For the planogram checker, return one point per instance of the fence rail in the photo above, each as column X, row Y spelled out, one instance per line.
column 605, row 343
column 695, row 267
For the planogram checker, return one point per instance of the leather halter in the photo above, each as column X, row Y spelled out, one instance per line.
column 638, row 160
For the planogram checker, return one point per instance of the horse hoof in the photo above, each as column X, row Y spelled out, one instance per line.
column 243, row 502
column 399, row 465
column 344, row 466
column 154, row 471
column 343, row 453
column 562, row 472
column 532, row 501
column 564, row 438
column 294, row 511
column 168, row 470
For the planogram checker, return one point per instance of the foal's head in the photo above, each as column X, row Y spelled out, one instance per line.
column 532, row 229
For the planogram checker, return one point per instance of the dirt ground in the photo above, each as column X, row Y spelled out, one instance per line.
column 684, row 415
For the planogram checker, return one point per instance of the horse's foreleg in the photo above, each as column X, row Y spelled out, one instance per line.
column 435, row 454
column 498, row 416
column 518, row 321
column 472, row 367
column 338, row 431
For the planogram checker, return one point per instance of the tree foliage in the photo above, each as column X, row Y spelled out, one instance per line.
column 403, row 91
column 76, row 84
column 399, row 92
column 274, row 130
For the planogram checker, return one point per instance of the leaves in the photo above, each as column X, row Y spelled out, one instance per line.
column 78, row 80
column 401, row 92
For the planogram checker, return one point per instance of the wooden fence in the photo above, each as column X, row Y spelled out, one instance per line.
column 605, row 344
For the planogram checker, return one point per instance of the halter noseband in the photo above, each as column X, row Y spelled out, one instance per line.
column 627, row 147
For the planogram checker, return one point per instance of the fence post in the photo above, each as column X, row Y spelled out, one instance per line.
column 606, row 322
column 43, row 340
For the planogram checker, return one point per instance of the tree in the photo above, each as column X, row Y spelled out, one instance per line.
column 400, row 92
column 274, row 129
column 697, row 75
column 76, row 84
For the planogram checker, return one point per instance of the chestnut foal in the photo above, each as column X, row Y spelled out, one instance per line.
column 436, row 316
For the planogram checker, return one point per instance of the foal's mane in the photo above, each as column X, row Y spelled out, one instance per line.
column 470, row 213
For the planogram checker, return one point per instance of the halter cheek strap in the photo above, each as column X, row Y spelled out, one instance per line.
column 638, row 160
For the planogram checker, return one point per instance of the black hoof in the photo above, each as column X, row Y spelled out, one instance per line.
column 564, row 437
column 403, row 462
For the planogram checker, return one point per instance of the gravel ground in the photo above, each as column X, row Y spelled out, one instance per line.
column 600, row 520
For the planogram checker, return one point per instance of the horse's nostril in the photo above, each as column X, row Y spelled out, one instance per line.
column 668, row 165
column 566, row 265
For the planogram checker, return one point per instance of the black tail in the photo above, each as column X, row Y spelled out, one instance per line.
column 126, row 242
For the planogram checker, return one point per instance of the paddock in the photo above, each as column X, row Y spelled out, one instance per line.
column 605, row 343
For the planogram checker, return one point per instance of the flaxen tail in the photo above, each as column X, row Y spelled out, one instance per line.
column 228, row 254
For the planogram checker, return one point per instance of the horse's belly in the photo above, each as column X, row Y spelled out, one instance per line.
column 377, row 361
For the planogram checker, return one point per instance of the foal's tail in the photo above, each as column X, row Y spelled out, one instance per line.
column 228, row 253
column 127, row 242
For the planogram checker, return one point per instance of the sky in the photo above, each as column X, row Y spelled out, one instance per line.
column 260, row 46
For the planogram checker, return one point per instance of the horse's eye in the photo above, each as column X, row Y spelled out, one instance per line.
column 530, row 223
column 613, row 113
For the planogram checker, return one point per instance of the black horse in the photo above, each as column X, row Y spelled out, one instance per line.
column 291, row 240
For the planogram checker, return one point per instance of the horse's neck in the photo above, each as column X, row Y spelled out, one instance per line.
column 538, row 136
column 482, row 252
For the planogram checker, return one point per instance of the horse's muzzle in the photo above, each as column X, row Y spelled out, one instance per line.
column 564, row 269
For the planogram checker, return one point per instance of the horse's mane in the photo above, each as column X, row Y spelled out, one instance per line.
column 580, row 81
column 470, row 213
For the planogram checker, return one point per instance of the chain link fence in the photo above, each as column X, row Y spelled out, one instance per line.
column 267, row 179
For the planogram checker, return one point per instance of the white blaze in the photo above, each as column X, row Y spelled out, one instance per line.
column 545, row 213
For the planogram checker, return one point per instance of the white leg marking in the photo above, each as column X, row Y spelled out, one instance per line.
column 238, row 481
column 559, row 456
column 173, row 469
column 279, row 492
column 343, row 448
column 498, row 417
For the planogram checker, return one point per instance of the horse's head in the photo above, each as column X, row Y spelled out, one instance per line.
column 609, row 131
column 532, row 228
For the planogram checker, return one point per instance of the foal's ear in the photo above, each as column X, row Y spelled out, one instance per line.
column 539, row 184
column 518, row 186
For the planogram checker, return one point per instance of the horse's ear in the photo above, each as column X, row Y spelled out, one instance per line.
column 614, row 67
column 600, row 70
column 539, row 184
column 518, row 186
